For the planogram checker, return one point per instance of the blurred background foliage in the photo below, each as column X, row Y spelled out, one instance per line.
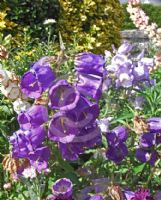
column 29, row 13
column 94, row 24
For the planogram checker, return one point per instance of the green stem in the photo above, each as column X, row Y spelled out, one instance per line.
column 152, row 173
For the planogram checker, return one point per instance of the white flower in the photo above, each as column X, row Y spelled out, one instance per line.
column 4, row 77
column 12, row 91
column 49, row 21
column 19, row 105
column 29, row 172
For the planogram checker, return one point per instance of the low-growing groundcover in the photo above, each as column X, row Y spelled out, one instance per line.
column 90, row 133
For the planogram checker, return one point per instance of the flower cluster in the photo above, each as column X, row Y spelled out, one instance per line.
column 69, row 118
column 63, row 189
column 126, row 72
column 73, row 125
column 141, row 21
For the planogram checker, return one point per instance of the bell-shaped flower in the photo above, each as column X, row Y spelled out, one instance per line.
column 63, row 96
column 90, row 85
column 34, row 117
column 89, row 63
column 39, row 78
column 63, row 189
column 24, row 142
column 125, row 48
column 154, row 124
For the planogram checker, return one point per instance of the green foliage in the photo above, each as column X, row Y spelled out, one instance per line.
column 154, row 13
column 95, row 24
column 31, row 13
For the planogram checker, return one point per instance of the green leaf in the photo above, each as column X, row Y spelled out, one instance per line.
column 139, row 168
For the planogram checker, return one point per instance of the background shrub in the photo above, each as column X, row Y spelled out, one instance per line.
column 32, row 13
column 154, row 13
column 95, row 24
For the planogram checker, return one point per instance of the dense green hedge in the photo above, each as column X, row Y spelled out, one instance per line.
column 95, row 24
column 32, row 13
column 154, row 13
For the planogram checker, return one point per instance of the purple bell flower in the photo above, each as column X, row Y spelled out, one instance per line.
column 117, row 153
column 24, row 142
column 62, row 128
column 141, row 72
column 146, row 156
column 71, row 151
column 146, row 152
column 148, row 140
column 33, row 117
column 117, row 150
column 121, row 61
column 124, row 78
column 154, row 124
column 63, row 189
column 90, row 85
column 28, row 144
column 89, row 63
column 125, row 48
column 90, row 73
column 76, row 130
column 85, row 112
column 117, row 135
column 39, row 158
column 63, row 96
column 87, row 138
column 37, row 79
